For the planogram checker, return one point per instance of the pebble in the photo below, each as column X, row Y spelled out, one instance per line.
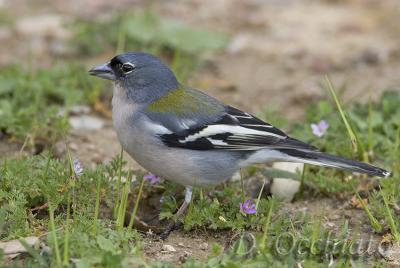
column 236, row 176
column 286, row 188
column 13, row 248
column 391, row 253
column 86, row 122
column 79, row 109
column 168, row 248
column 204, row 246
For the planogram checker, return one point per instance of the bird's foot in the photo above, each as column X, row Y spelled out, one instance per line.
column 173, row 225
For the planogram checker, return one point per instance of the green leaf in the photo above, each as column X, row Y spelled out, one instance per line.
column 106, row 244
column 148, row 28
column 83, row 263
column 145, row 28
column 190, row 39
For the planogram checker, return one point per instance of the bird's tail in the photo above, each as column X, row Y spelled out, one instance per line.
column 323, row 159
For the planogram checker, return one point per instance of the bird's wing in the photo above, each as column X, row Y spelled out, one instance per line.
column 231, row 130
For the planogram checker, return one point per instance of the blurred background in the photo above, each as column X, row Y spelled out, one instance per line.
column 255, row 55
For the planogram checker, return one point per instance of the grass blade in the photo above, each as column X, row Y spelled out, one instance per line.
column 389, row 217
column 97, row 207
column 53, row 234
column 118, row 190
column 267, row 224
column 350, row 131
column 66, row 235
column 373, row 221
column 135, row 208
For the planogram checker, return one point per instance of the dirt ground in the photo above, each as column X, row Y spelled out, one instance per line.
column 279, row 52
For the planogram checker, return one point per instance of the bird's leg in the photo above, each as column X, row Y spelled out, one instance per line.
column 170, row 227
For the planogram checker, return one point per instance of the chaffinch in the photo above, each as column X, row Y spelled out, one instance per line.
column 186, row 136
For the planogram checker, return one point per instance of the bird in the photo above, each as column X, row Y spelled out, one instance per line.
column 184, row 135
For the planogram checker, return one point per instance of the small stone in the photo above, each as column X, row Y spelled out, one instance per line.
column 86, row 122
column 13, row 248
column 286, row 188
column 168, row 248
column 181, row 244
column 204, row 246
column 236, row 176
column 79, row 109
column 390, row 253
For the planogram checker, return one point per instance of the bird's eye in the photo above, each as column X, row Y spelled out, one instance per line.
column 127, row 67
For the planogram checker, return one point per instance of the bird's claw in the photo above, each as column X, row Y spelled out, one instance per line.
column 168, row 230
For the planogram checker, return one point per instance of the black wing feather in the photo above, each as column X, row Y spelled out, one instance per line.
column 267, row 135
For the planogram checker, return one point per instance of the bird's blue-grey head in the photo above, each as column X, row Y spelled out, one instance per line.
column 143, row 76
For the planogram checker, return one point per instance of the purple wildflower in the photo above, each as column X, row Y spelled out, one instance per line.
column 320, row 128
column 78, row 170
column 153, row 179
column 248, row 208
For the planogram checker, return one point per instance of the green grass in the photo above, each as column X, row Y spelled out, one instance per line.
column 276, row 239
column 31, row 100
column 113, row 245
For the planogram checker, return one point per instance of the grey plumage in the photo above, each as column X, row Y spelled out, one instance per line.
column 186, row 136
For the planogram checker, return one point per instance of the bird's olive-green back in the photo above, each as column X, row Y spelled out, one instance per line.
column 184, row 102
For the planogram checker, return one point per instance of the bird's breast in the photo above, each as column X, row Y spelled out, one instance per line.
column 123, row 111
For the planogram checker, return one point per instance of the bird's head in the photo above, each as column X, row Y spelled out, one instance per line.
column 142, row 75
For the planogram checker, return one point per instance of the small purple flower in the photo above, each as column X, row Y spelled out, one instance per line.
column 320, row 128
column 248, row 208
column 78, row 170
column 153, row 179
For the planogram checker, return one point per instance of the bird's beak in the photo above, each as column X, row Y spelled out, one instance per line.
column 103, row 71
